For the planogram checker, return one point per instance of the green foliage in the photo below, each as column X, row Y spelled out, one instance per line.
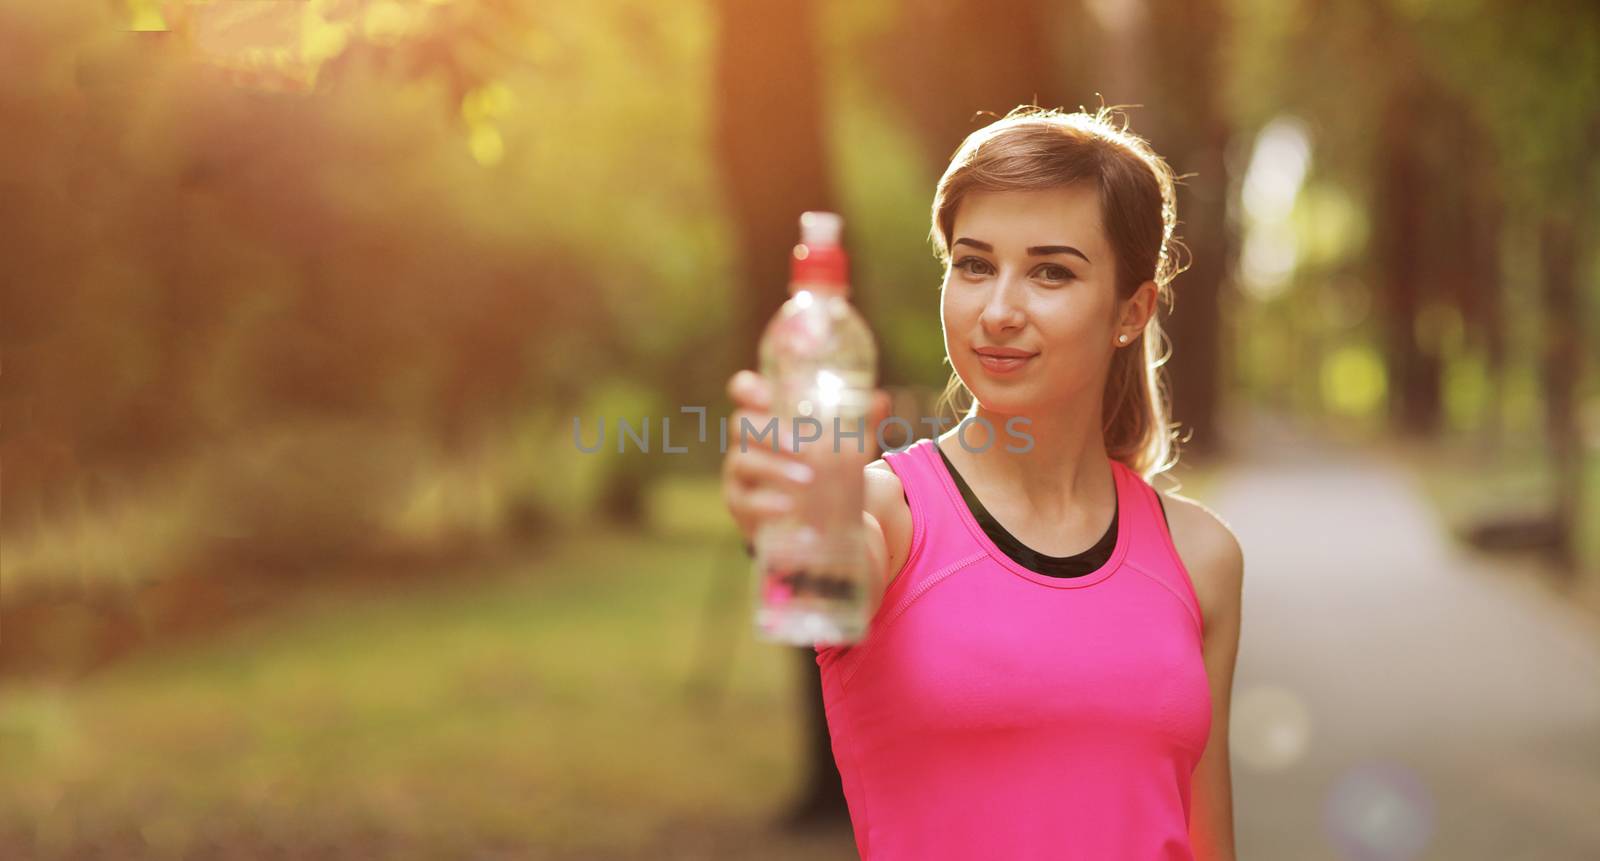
column 1353, row 381
column 1468, row 388
column 467, row 210
column 1532, row 75
column 444, row 229
column 887, row 187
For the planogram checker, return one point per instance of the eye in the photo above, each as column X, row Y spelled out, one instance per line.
column 1055, row 272
column 966, row 265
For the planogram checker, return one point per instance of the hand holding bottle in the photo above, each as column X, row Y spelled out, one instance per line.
column 759, row 484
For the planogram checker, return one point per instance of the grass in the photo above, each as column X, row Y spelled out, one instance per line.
column 600, row 694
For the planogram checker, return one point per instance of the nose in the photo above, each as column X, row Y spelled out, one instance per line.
column 1003, row 311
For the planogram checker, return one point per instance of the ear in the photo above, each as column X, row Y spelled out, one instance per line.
column 1136, row 310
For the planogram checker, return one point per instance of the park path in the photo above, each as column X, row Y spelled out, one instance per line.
column 1396, row 695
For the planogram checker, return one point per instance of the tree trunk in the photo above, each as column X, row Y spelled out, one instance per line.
column 770, row 143
column 1414, row 374
column 771, row 146
column 1487, row 312
column 944, row 63
column 1563, row 367
column 1189, row 128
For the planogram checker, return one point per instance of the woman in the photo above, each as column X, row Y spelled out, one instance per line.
column 1049, row 667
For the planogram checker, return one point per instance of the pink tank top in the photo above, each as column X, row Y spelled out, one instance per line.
column 996, row 712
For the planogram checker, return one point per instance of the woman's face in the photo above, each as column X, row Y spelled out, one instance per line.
column 1031, row 271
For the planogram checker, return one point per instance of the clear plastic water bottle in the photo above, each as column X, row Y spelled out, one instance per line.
column 812, row 572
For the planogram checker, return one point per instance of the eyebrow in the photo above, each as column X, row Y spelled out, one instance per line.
column 1035, row 251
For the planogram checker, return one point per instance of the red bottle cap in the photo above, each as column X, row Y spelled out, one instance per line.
column 818, row 262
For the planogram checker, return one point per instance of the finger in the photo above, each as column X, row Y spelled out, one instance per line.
column 757, row 430
column 763, row 468
column 736, row 383
column 751, row 390
column 766, row 504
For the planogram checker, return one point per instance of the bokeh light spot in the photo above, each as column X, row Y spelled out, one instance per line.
column 1379, row 811
column 1271, row 727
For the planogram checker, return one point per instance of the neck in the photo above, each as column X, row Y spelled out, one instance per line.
column 1064, row 469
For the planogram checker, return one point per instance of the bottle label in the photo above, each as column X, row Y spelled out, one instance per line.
column 784, row 586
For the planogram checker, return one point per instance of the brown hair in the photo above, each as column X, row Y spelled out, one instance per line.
column 1034, row 148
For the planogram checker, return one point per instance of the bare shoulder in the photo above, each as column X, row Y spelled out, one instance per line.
column 1210, row 551
column 886, row 502
column 884, row 490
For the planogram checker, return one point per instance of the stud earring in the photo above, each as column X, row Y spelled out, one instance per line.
column 1122, row 339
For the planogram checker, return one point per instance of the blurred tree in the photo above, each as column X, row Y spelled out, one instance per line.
column 231, row 225
column 769, row 144
column 1476, row 267
column 1401, row 227
column 1563, row 366
column 1539, row 102
column 943, row 63
column 1185, row 121
column 772, row 150
column 1484, row 130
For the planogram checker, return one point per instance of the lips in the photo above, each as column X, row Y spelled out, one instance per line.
column 1003, row 360
column 1004, row 352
